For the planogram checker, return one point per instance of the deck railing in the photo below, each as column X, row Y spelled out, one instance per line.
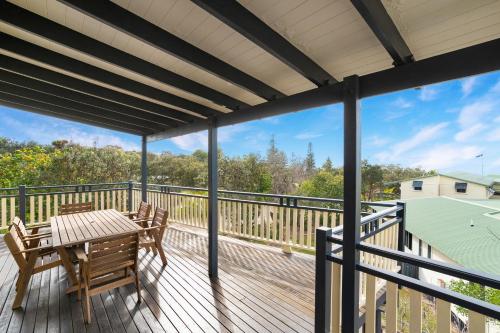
column 381, row 281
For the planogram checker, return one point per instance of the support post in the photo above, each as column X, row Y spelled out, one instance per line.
column 22, row 203
column 130, row 189
column 212, row 199
column 144, row 168
column 401, row 214
column 352, row 205
column 323, row 285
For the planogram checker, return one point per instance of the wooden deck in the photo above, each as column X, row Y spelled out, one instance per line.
column 259, row 289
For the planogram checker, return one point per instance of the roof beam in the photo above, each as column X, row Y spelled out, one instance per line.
column 54, row 59
column 473, row 60
column 70, row 95
column 78, row 85
column 38, row 25
column 247, row 24
column 93, row 112
column 29, row 105
column 379, row 21
column 134, row 25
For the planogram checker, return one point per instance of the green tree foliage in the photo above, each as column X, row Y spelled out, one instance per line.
column 477, row 291
column 323, row 184
column 24, row 166
column 328, row 165
column 310, row 162
column 277, row 168
column 372, row 177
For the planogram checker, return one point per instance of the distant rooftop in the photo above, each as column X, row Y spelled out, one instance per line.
column 445, row 224
column 487, row 180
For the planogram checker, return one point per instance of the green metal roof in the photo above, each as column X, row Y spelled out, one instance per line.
column 445, row 224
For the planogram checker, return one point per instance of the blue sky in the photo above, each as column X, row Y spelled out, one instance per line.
column 442, row 127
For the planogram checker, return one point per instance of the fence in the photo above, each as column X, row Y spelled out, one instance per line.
column 381, row 281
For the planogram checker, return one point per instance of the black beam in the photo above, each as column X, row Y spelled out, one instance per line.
column 38, row 25
column 249, row 25
column 71, row 97
column 54, row 111
column 352, row 205
column 88, row 88
column 213, row 224
column 379, row 21
column 134, row 25
column 144, row 169
column 35, row 52
column 473, row 60
column 53, row 101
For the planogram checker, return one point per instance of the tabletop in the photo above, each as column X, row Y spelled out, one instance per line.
column 84, row 227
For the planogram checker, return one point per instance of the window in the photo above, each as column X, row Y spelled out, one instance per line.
column 461, row 187
column 429, row 251
column 419, row 247
column 417, row 185
column 408, row 240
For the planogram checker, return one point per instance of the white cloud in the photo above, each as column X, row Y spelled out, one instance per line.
column 402, row 103
column 428, row 93
column 56, row 129
column 425, row 135
column 468, row 85
column 472, row 113
column 377, row 141
column 497, row 119
column 308, row 135
column 469, row 132
column 494, row 135
column 391, row 115
column 445, row 156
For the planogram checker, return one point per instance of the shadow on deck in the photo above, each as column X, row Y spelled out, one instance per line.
column 259, row 289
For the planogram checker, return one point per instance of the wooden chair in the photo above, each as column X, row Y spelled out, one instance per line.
column 30, row 261
column 153, row 235
column 142, row 213
column 74, row 208
column 108, row 265
column 33, row 239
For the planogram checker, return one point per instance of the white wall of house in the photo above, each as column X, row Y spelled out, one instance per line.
column 443, row 186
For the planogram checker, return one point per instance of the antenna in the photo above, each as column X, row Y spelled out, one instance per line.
column 471, row 222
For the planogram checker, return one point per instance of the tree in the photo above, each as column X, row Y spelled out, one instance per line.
column 24, row 166
column 310, row 163
column 324, row 185
column 328, row 165
column 372, row 177
column 277, row 167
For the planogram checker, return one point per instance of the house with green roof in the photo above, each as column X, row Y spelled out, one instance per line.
column 460, row 185
column 464, row 232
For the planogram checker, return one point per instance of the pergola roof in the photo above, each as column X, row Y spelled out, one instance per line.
column 163, row 67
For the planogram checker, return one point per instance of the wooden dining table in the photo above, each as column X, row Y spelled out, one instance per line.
column 80, row 228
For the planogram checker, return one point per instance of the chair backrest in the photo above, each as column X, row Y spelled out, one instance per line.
column 19, row 226
column 111, row 254
column 144, row 210
column 15, row 245
column 75, row 208
column 160, row 220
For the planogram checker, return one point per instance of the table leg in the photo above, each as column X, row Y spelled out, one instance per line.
column 68, row 265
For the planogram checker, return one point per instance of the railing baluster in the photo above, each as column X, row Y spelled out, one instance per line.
column 443, row 312
column 370, row 304
column 391, row 307
column 415, row 311
column 477, row 322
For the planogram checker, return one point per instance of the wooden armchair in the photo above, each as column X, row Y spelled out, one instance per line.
column 142, row 214
column 33, row 239
column 30, row 261
column 74, row 208
column 153, row 235
column 108, row 265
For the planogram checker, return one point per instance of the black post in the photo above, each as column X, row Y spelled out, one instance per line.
column 401, row 235
column 212, row 199
column 22, row 203
column 352, row 205
column 130, row 189
column 378, row 321
column 144, row 168
column 323, row 291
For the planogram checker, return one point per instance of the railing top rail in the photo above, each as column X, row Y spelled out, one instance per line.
column 383, row 213
column 73, row 185
column 271, row 195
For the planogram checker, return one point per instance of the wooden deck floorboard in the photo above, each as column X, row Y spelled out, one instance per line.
column 259, row 289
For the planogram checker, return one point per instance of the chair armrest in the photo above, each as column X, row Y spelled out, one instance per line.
column 39, row 225
column 39, row 248
column 38, row 236
column 80, row 254
column 154, row 228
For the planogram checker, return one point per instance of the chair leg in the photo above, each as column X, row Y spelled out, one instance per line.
column 87, row 304
column 24, row 279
